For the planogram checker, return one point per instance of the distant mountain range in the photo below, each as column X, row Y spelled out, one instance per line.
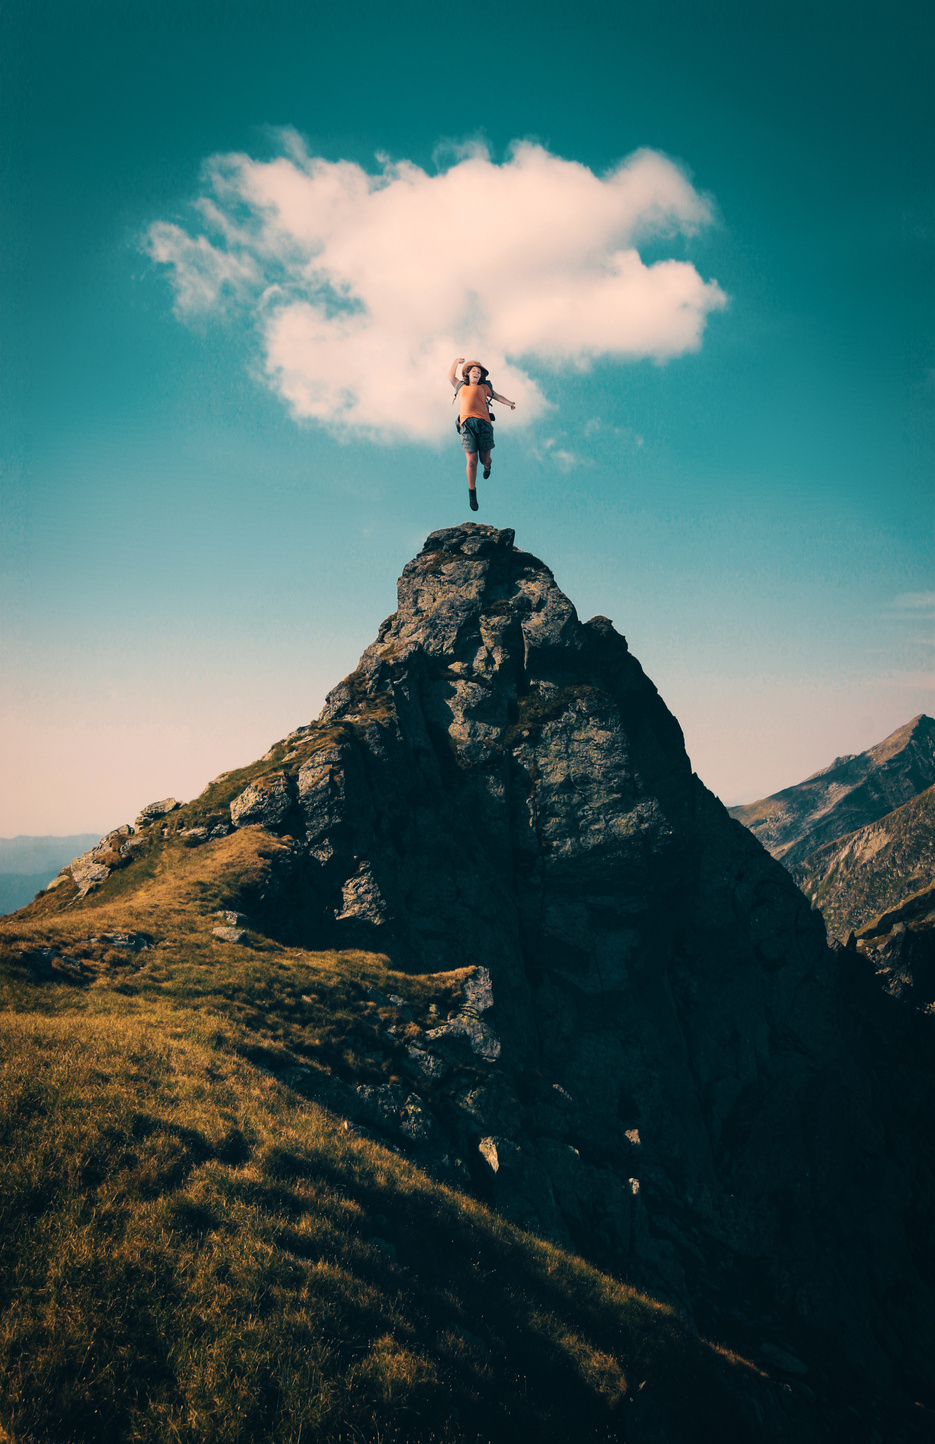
column 28, row 864
column 859, row 839
column 852, row 792
column 873, row 870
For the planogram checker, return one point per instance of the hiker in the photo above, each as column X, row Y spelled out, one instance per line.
column 475, row 423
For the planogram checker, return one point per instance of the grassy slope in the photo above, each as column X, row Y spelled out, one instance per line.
column 190, row 1251
column 871, row 871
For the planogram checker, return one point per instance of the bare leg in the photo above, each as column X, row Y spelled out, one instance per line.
column 485, row 458
column 472, row 478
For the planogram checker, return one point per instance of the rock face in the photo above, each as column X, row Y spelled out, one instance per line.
column 266, row 802
column 873, row 870
column 155, row 810
column 94, row 867
column 654, row 1058
column 852, row 792
column 901, row 947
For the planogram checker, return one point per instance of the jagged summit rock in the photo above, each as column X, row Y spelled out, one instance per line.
column 483, row 706
column 850, row 793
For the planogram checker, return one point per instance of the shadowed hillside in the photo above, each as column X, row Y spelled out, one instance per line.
column 191, row 1252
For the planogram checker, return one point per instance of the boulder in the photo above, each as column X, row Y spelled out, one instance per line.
column 88, row 873
column 265, row 801
column 154, row 810
column 230, row 935
column 95, row 866
column 132, row 942
column 361, row 898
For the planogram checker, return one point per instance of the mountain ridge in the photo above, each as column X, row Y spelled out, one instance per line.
column 872, row 870
column 27, row 853
column 27, row 864
column 854, row 790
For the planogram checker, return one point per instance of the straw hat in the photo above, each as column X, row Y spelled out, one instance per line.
column 466, row 370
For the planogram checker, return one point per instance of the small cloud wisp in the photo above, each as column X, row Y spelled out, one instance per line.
column 362, row 287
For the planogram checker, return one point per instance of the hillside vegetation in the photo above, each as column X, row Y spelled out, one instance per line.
column 871, row 871
column 192, row 1251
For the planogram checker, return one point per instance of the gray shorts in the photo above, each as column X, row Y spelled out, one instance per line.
column 476, row 434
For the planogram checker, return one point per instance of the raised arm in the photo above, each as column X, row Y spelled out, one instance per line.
column 458, row 361
column 504, row 400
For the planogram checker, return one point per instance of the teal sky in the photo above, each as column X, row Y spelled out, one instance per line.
column 187, row 568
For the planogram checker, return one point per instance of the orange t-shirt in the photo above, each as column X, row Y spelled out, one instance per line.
column 473, row 400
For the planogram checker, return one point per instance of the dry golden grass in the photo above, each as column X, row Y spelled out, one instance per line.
column 190, row 1251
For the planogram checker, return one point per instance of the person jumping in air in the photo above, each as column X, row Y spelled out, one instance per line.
column 475, row 422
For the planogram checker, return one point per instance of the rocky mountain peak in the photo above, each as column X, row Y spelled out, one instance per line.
column 480, row 614
column 496, row 713
column 654, row 1058
column 499, row 788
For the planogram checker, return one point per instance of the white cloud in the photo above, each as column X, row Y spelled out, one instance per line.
column 201, row 272
column 620, row 434
column 914, row 604
column 363, row 287
column 549, row 450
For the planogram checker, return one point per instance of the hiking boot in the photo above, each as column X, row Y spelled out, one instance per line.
column 472, row 495
column 486, row 472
